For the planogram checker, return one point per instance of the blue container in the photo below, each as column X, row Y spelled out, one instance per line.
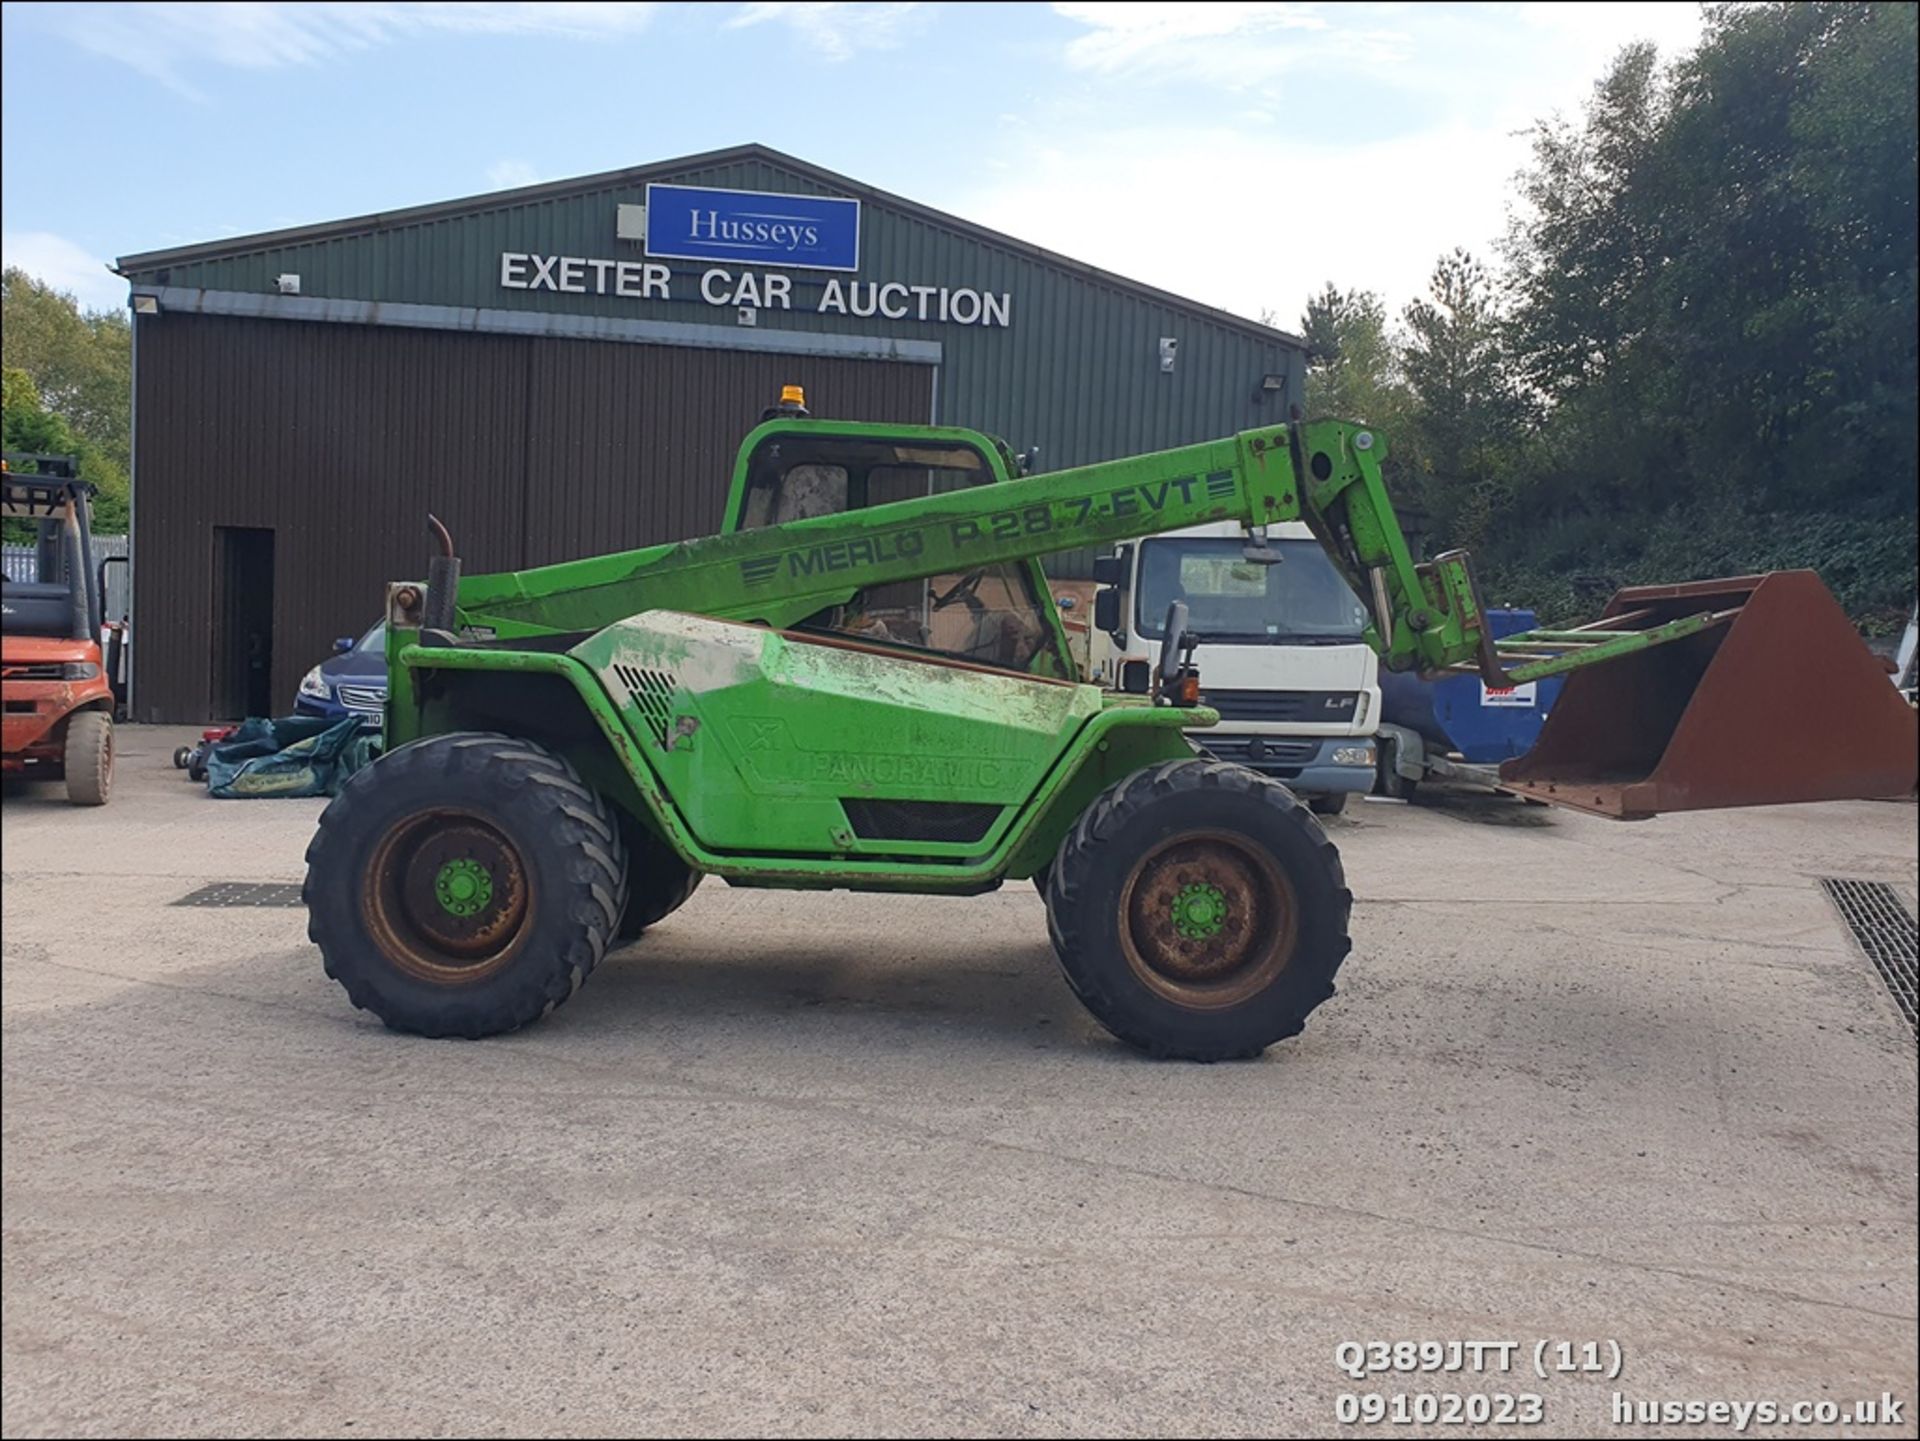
column 1460, row 714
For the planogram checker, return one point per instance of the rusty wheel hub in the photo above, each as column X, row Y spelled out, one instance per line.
column 1208, row 919
column 447, row 896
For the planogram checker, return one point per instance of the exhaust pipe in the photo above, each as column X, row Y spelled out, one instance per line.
column 74, row 561
column 443, row 582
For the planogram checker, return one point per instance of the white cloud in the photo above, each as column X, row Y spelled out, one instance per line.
column 1423, row 48
column 1173, row 207
column 833, row 30
column 170, row 41
column 512, row 174
column 1206, row 202
column 57, row 261
column 1234, row 45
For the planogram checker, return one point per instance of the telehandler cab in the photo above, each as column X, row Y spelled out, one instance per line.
column 864, row 686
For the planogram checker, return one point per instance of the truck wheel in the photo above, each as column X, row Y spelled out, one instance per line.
column 87, row 761
column 1199, row 911
column 1392, row 783
column 1328, row 805
column 658, row 881
column 464, row 885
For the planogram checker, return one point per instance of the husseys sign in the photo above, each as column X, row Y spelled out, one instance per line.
column 742, row 233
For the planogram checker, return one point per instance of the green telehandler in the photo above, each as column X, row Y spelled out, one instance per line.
column 863, row 684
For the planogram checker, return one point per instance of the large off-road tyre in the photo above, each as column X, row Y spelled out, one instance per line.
column 658, row 881
column 1199, row 911
column 87, row 762
column 464, row 885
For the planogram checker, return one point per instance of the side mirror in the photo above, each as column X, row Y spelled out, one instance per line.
column 1136, row 677
column 1110, row 569
column 1171, row 646
column 344, row 644
column 1106, row 610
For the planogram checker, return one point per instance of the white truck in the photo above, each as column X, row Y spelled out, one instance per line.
column 1281, row 655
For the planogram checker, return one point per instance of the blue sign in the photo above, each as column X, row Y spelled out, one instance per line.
column 813, row 232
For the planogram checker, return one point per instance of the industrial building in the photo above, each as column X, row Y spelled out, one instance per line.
column 566, row 369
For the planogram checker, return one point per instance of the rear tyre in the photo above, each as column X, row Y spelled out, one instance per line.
column 658, row 881
column 464, row 885
column 87, row 761
column 1199, row 911
column 1328, row 805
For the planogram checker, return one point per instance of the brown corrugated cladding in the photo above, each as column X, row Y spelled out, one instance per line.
column 632, row 444
column 341, row 437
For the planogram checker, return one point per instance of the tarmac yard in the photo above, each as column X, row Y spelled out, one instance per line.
column 833, row 1164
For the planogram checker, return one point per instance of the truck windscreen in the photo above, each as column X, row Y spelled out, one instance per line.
column 1301, row 601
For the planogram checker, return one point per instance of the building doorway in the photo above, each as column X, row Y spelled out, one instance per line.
column 242, row 622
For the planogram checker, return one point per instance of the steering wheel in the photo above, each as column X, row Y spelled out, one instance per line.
column 963, row 589
column 1174, row 632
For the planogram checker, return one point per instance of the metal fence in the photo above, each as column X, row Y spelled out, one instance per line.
column 20, row 566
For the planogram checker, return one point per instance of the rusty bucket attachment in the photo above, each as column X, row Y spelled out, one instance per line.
column 1777, row 701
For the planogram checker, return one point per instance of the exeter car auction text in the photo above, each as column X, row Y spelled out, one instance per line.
column 651, row 280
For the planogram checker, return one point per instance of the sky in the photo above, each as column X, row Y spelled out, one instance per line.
column 1239, row 154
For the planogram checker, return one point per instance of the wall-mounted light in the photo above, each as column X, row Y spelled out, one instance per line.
column 1270, row 385
column 289, row 284
column 146, row 305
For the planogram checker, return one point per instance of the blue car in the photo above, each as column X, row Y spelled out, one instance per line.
column 353, row 682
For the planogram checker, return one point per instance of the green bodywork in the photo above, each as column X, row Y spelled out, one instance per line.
column 674, row 681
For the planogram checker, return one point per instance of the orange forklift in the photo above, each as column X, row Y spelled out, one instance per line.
column 56, row 688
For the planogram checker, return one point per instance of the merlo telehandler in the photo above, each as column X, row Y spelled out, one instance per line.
column 864, row 685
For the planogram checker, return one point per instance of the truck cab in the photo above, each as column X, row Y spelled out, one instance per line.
column 1282, row 656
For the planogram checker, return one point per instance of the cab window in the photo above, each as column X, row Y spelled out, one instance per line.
column 989, row 616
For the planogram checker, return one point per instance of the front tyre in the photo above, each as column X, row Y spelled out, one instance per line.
column 87, row 758
column 1199, row 911
column 464, row 885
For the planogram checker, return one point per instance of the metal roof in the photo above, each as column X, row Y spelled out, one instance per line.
column 146, row 261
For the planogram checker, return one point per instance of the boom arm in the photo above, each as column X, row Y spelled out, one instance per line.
column 1424, row 616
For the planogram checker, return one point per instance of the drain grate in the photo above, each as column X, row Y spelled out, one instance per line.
column 1885, row 931
column 230, row 895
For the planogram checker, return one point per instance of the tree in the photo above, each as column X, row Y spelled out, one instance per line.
column 27, row 425
column 1353, row 367
column 80, row 362
column 1465, row 407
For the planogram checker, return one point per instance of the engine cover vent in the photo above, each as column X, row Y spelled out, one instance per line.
column 652, row 692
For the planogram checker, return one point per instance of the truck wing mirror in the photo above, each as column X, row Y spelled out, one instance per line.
column 1110, row 569
column 1106, row 610
column 1175, row 639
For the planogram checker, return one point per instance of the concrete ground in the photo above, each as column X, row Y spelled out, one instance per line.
column 857, row 1165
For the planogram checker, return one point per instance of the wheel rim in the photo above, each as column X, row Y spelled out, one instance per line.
column 1208, row 919
column 447, row 896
